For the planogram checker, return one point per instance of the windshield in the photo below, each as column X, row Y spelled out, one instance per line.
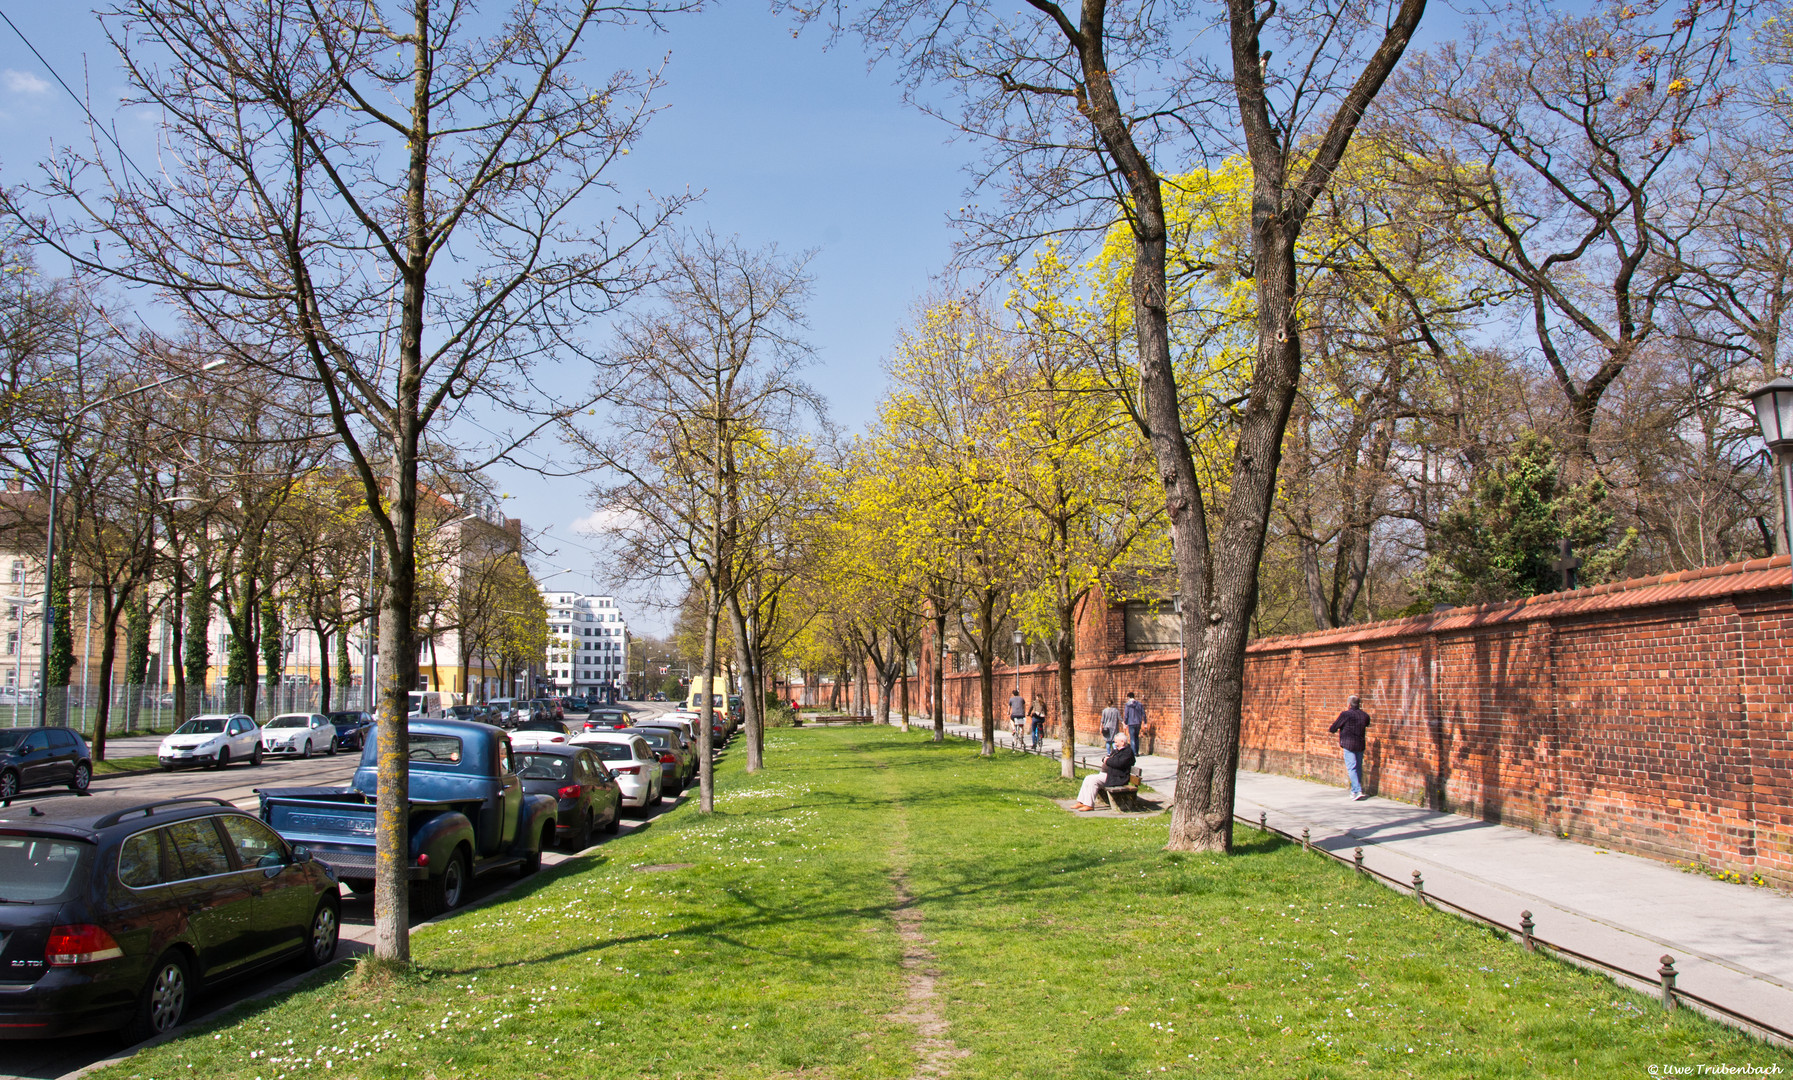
column 202, row 725
column 544, row 766
column 542, row 725
column 441, row 749
column 345, row 718
column 290, row 720
column 37, row 868
column 611, row 751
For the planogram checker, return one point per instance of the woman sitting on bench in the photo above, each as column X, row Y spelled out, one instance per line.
column 1117, row 772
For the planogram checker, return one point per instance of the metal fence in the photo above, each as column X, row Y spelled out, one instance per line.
column 140, row 709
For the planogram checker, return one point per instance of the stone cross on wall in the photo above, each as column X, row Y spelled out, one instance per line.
column 1567, row 562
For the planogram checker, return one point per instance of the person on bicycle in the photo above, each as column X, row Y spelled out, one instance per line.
column 1017, row 714
column 1038, row 715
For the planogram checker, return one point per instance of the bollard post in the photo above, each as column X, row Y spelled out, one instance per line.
column 1263, row 827
column 1419, row 887
column 1358, row 859
column 1306, row 844
column 1525, row 931
column 1667, row 972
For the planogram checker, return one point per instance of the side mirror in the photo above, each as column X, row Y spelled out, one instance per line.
column 301, row 853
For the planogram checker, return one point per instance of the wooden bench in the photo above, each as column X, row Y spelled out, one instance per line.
column 1124, row 800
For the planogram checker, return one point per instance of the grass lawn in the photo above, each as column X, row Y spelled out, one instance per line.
column 124, row 764
column 876, row 906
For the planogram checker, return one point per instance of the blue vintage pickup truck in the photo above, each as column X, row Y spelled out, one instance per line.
column 469, row 813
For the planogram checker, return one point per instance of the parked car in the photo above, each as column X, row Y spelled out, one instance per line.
column 585, row 792
column 425, row 704
column 536, row 732
column 607, row 720
column 303, row 734
column 634, row 764
column 503, row 711
column 42, row 757
column 469, row 815
column 546, row 709
column 686, row 729
column 118, row 911
column 353, row 729
column 578, row 703
column 215, row 739
column 677, row 764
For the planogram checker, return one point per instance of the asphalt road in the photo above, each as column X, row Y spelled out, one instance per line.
column 48, row 1058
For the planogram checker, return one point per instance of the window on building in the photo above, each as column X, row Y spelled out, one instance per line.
column 12, row 642
column 18, row 570
column 1150, row 626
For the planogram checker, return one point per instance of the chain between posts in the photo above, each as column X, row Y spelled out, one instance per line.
column 1664, row 977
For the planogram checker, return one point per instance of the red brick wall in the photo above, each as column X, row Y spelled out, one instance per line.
column 1653, row 716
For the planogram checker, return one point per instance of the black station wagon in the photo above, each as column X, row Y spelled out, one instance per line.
column 115, row 913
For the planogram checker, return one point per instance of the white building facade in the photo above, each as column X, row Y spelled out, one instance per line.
column 588, row 644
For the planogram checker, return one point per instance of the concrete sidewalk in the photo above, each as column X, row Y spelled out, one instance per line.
column 1732, row 943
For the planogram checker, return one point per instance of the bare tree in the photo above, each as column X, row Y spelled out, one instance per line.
column 1563, row 133
column 393, row 213
column 710, row 377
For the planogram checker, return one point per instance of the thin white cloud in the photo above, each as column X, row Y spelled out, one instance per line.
column 23, row 82
column 607, row 520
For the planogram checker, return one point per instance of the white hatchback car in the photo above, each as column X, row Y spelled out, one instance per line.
column 632, row 761
column 299, row 733
column 216, row 739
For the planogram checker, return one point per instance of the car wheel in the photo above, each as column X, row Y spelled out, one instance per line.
column 320, row 943
column 307, row 754
column 616, row 819
column 9, row 784
column 164, row 1001
column 83, row 777
column 532, row 862
column 581, row 838
column 255, row 755
column 223, row 757
column 444, row 893
column 332, row 751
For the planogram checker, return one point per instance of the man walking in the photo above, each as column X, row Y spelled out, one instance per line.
column 1350, row 727
column 1135, row 718
column 1111, row 723
column 1117, row 770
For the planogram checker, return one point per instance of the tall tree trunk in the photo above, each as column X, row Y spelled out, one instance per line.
column 986, row 670
column 706, row 702
column 1067, row 703
column 323, row 636
column 752, row 698
column 111, row 608
column 939, row 674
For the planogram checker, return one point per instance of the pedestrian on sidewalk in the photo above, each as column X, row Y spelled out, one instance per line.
column 1017, row 715
column 1350, row 728
column 1117, row 770
column 1135, row 718
column 1111, row 723
column 1037, row 720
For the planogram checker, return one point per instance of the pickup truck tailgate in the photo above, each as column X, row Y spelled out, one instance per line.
column 337, row 825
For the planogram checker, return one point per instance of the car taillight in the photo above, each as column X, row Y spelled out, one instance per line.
column 80, row 944
column 558, row 738
column 668, row 759
column 572, row 791
column 628, row 770
column 424, row 859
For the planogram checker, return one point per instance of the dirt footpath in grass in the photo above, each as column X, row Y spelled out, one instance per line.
column 877, row 906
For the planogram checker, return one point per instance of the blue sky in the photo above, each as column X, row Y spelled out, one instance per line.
column 789, row 142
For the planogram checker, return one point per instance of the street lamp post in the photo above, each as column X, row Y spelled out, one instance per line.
column 1020, row 638
column 43, row 659
column 1774, row 415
